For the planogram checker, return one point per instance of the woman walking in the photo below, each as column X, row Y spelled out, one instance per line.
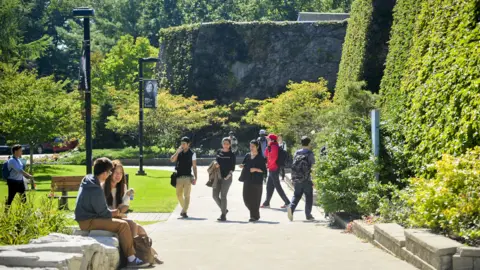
column 226, row 163
column 252, row 177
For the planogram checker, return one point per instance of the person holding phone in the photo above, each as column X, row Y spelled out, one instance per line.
column 185, row 160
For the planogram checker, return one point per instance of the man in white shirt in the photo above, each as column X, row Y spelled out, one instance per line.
column 15, row 176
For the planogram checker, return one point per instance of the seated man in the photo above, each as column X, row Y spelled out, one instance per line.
column 92, row 213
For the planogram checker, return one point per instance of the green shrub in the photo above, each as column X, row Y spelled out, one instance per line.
column 24, row 222
column 395, row 208
column 348, row 167
column 450, row 202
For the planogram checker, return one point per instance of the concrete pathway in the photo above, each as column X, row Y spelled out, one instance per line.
column 274, row 243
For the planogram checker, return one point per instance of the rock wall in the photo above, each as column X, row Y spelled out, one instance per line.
column 60, row 251
column 229, row 61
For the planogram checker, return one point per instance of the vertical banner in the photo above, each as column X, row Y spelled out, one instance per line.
column 150, row 93
column 376, row 132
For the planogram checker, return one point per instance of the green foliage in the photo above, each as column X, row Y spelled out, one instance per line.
column 35, row 110
column 79, row 158
column 400, row 44
column 354, row 47
column 348, row 169
column 441, row 82
column 24, row 222
column 450, row 202
column 365, row 47
column 395, row 208
column 294, row 112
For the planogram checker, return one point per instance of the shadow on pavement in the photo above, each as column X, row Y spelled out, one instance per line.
column 265, row 222
column 233, row 221
column 193, row 218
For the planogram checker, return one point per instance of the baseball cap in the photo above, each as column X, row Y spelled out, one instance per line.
column 185, row 139
column 263, row 132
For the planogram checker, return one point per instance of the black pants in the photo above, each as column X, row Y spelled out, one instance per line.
column 272, row 184
column 301, row 189
column 14, row 187
column 252, row 197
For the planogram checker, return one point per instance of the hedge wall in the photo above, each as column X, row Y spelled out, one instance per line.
column 229, row 61
column 365, row 48
column 432, row 81
column 400, row 44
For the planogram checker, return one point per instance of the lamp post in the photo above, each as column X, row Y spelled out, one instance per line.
column 140, row 104
column 86, row 14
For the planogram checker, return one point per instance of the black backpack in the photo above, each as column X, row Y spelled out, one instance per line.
column 282, row 157
column 300, row 168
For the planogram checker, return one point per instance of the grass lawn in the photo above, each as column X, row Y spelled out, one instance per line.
column 153, row 192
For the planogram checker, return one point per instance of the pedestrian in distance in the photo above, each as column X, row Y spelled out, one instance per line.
column 262, row 142
column 234, row 141
column 226, row 162
column 282, row 145
column 185, row 160
column 302, row 179
column 253, row 167
column 13, row 171
column 273, row 182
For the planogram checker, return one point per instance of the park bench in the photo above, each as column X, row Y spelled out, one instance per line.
column 65, row 184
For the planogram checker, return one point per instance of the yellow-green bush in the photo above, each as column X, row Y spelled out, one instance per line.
column 450, row 202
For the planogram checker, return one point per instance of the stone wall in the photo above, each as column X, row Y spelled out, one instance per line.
column 230, row 61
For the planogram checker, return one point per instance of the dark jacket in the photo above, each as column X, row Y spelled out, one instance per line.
column 259, row 163
column 91, row 201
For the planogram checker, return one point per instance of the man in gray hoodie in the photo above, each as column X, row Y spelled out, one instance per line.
column 92, row 213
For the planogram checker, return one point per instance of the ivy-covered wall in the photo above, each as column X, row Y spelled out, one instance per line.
column 441, row 80
column 229, row 61
column 366, row 44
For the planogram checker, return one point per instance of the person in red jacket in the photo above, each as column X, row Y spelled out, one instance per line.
column 271, row 154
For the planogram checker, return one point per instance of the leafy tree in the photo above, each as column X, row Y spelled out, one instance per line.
column 174, row 116
column 35, row 109
column 295, row 112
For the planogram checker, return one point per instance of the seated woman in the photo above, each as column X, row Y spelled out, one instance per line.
column 118, row 197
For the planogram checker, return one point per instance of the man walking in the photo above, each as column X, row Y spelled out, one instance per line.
column 92, row 213
column 185, row 160
column 262, row 143
column 14, row 174
column 271, row 154
column 302, row 179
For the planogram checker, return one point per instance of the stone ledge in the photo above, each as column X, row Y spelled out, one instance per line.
column 390, row 237
column 437, row 244
column 465, row 251
column 62, row 251
column 363, row 230
column 415, row 260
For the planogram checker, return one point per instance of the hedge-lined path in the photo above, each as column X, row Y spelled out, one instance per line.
column 274, row 243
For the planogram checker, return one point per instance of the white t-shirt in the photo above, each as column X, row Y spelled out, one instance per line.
column 194, row 156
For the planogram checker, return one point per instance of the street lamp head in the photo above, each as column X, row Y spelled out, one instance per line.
column 84, row 12
column 150, row 59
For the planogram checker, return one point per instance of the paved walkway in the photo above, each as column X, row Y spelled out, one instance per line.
column 275, row 243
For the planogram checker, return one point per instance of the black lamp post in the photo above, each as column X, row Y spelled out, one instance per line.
column 140, row 103
column 86, row 14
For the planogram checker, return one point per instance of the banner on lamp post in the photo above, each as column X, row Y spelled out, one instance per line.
column 150, row 93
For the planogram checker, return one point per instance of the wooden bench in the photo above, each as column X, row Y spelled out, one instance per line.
column 65, row 184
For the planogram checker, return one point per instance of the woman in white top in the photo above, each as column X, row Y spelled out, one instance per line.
column 118, row 196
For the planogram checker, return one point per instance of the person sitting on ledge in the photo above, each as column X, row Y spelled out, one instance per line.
column 92, row 213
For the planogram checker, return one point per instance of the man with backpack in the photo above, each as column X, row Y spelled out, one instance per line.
column 234, row 145
column 275, row 159
column 13, row 172
column 302, row 179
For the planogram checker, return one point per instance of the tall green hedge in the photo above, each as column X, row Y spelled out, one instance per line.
column 400, row 44
column 365, row 47
column 441, row 82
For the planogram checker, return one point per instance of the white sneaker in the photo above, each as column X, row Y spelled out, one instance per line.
column 290, row 213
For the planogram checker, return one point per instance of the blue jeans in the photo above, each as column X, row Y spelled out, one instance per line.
column 300, row 189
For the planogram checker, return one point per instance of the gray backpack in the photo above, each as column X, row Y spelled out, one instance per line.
column 300, row 168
